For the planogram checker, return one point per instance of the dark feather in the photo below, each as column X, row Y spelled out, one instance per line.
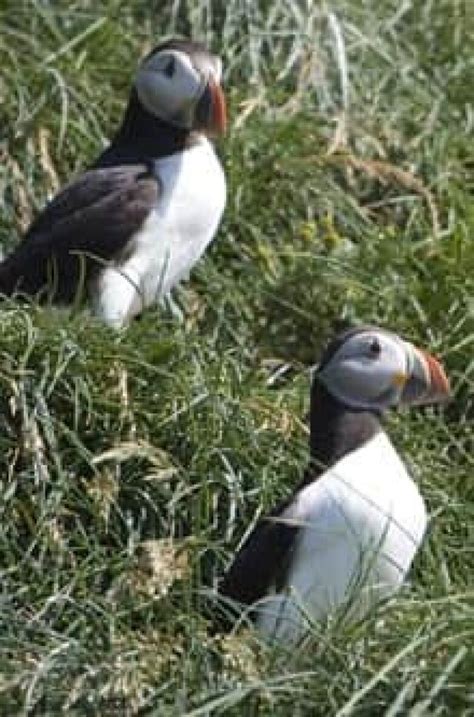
column 262, row 560
column 87, row 224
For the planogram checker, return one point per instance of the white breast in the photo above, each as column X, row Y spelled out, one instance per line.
column 173, row 238
column 363, row 522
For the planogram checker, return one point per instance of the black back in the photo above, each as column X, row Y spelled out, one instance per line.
column 86, row 225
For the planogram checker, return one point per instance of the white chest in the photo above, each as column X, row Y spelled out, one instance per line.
column 173, row 238
column 362, row 523
column 188, row 211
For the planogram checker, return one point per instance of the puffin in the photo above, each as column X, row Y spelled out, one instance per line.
column 346, row 538
column 133, row 225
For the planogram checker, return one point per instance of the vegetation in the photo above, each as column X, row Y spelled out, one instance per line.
column 132, row 463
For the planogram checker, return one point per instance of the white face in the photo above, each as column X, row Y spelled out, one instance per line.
column 169, row 86
column 369, row 369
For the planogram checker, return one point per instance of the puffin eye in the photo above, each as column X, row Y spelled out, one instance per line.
column 170, row 67
column 375, row 348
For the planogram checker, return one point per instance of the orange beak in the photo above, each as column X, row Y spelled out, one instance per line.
column 427, row 381
column 218, row 118
column 211, row 112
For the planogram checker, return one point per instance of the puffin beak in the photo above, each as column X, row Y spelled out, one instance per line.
column 426, row 381
column 211, row 112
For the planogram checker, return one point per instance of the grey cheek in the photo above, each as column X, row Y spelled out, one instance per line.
column 388, row 397
column 184, row 116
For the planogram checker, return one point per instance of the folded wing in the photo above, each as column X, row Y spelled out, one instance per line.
column 262, row 561
column 89, row 223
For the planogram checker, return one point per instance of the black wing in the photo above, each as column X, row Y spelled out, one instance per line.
column 88, row 223
column 262, row 561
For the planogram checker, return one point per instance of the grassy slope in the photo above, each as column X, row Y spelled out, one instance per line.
column 170, row 429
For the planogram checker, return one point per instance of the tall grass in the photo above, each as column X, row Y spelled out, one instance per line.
column 132, row 463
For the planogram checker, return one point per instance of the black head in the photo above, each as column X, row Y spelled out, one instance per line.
column 179, row 82
column 363, row 371
column 367, row 367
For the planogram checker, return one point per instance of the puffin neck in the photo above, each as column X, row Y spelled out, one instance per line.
column 335, row 430
column 142, row 136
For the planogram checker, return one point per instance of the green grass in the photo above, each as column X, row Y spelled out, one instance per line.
column 171, row 430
